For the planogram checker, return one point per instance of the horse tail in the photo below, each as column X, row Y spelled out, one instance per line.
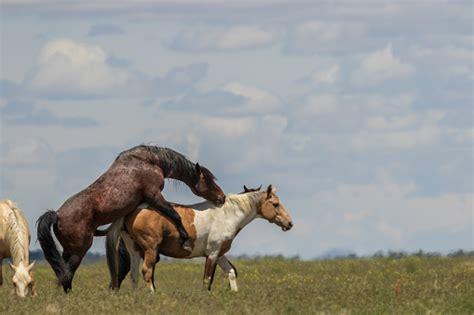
column 112, row 244
column 45, row 238
column 123, row 263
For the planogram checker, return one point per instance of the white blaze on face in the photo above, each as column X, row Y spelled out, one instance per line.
column 22, row 279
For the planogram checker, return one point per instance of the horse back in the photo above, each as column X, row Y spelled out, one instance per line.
column 150, row 229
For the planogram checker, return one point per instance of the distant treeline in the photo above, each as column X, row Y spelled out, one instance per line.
column 93, row 257
column 379, row 254
column 37, row 255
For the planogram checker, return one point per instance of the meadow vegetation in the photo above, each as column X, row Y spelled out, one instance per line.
column 411, row 284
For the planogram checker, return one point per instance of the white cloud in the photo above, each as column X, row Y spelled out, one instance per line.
column 257, row 100
column 327, row 75
column 405, row 139
column 318, row 104
column 395, row 211
column 457, row 61
column 26, row 153
column 379, row 66
column 381, row 122
column 218, row 38
column 66, row 67
column 329, row 37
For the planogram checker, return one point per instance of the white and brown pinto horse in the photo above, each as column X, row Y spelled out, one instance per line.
column 147, row 233
column 14, row 243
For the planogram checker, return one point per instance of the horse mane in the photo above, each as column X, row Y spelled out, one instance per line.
column 168, row 158
column 16, row 232
column 244, row 201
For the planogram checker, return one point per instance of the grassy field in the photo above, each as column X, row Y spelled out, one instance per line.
column 268, row 286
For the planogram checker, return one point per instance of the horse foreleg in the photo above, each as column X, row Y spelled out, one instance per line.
column 209, row 271
column 148, row 270
column 230, row 270
column 1, row 273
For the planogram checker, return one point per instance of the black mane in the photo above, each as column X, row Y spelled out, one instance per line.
column 168, row 159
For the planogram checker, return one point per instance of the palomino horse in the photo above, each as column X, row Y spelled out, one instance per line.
column 147, row 233
column 136, row 176
column 14, row 243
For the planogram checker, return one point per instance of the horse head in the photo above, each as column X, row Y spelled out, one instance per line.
column 206, row 187
column 23, row 279
column 271, row 209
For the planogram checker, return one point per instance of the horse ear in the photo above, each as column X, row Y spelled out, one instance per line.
column 12, row 266
column 198, row 169
column 31, row 265
column 259, row 187
column 269, row 191
column 246, row 189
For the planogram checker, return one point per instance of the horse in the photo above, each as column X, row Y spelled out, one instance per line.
column 14, row 243
column 136, row 176
column 147, row 233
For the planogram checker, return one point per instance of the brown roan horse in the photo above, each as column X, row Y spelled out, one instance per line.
column 136, row 176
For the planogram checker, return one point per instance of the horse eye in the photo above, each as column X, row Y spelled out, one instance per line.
column 276, row 205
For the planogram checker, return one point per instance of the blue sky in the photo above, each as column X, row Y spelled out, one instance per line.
column 361, row 114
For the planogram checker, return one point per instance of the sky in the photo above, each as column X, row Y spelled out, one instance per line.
column 360, row 113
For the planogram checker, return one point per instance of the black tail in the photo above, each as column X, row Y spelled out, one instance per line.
column 123, row 263
column 118, row 263
column 48, row 245
column 111, row 253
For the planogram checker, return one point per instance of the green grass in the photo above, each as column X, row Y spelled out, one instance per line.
column 268, row 286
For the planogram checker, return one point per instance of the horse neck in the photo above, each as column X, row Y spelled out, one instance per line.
column 180, row 169
column 179, row 175
column 238, row 211
column 17, row 238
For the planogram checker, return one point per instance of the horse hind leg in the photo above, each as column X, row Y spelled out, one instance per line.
column 230, row 270
column 74, row 260
column 1, row 273
column 148, row 270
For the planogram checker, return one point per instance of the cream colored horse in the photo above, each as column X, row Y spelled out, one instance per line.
column 14, row 243
column 211, row 229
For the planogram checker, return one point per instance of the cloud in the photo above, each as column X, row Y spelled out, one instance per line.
column 318, row 104
column 328, row 75
column 212, row 102
column 446, row 59
column 32, row 152
column 394, row 210
column 67, row 68
column 19, row 112
column 401, row 132
column 318, row 36
column 379, row 66
column 256, row 100
column 233, row 98
column 220, row 39
column 104, row 29
column 72, row 70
